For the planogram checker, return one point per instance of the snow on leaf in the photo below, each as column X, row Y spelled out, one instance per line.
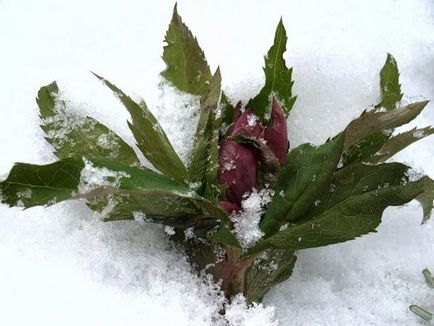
column 71, row 134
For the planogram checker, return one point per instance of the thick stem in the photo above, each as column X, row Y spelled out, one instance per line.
column 232, row 272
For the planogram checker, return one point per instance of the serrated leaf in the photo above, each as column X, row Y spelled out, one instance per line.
column 204, row 159
column 71, row 134
column 151, row 193
column 186, row 66
column 373, row 122
column 353, row 207
column 304, row 177
column 275, row 267
column 397, row 143
column 151, row 138
column 227, row 110
column 278, row 76
column 389, row 84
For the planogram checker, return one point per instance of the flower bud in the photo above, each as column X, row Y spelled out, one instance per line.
column 276, row 135
column 238, row 163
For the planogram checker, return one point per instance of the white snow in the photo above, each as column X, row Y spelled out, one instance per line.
column 246, row 221
column 92, row 177
column 61, row 265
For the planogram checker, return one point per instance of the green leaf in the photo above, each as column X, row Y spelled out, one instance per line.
column 274, row 267
column 278, row 76
column 151, row 138
column 372, row 122
column 71, row 134
column 186, row 66
column 146, row 191
column 397, row 143
column 203, row 165
column 352, row 207
column 426, row 199
column 365, row 148
column 304, row 177
column 227, row 110
column 226, row 237
column 389, row 84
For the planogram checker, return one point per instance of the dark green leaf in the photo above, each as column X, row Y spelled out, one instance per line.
column 397, row 143
column 389, row 84
column 365, row 148
column 352, row 207
column 274, row 267
column 373, row 122
column 71, row 134
column 227, row 110
column 226, row 237
column 72, row 178
column 186, row 66
column 203, row 165
column 278, row 76
column 151, row 138
column 304, row 177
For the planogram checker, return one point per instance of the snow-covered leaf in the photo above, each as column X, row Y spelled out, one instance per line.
column 151, row 138
column 71, row 134
column 352, row 207
column 389, row 84
column 148, row 192
column 278, row 76
column 186, row 66
column 304, row 177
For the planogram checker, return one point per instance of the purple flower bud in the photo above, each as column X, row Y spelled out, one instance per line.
column 238, row 163
column 276, row 135
column 228, row 207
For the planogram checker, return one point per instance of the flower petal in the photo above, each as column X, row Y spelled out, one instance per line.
column 276, row 135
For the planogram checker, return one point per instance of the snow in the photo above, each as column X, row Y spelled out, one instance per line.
column 92, row 177
column 61, row 265
column 246, row 221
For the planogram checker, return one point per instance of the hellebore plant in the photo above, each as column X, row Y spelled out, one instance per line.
column 245, row 202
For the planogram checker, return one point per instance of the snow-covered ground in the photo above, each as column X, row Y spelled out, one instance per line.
column 61, row 265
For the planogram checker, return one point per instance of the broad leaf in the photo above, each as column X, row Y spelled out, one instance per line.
column 151, row 138
column 146, row 191
column 373, row 122
column 71, row 134
column 389, row 84
column 304, row 177
column 352, row 207
column 186, row 66
column 274, row 267
column 397, row 143
column 278, row 76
